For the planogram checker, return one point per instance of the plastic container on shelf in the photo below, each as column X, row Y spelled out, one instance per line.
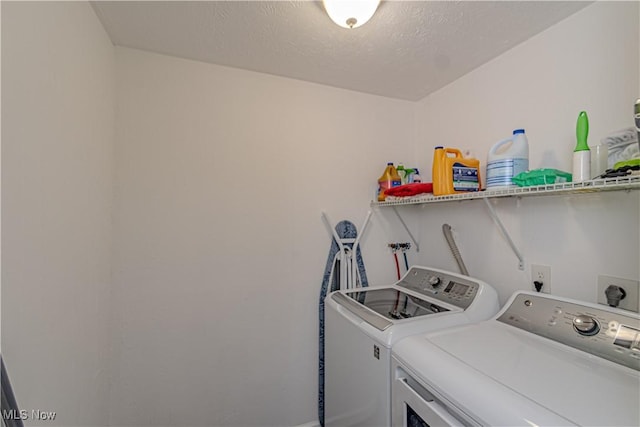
column 437, row 171
column 599, row 160
column 405, row 173
column 507, row 159
column 389, row 179
column 453, row 173
column 541, row 177
column 582, row 154
column 416, row 176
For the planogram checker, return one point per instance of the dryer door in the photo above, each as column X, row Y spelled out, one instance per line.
column 414, row 406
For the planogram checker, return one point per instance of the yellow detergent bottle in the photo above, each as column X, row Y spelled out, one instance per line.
column 453, row 173
column 389, row 179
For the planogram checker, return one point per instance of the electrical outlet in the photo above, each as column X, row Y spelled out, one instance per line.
column 541, row 274
column 631, row 301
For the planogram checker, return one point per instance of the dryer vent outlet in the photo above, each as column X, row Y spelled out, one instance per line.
column 624, row 292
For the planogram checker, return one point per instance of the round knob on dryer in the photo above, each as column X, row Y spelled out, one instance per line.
column 585, row 325
column 434, row 281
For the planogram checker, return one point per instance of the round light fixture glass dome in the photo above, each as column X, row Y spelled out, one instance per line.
column 350, row 13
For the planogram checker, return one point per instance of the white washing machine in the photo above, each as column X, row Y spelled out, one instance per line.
column 542, row 361
column 361, row 326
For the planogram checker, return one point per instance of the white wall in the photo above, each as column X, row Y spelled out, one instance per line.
column 221, row 176
column 58, row 90
column 587, row 62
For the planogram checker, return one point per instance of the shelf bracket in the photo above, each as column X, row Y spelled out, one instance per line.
column 505, row 233
column 413, row 239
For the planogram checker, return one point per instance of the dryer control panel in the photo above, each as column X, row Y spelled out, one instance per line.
column 456, row 290
column 612, row 334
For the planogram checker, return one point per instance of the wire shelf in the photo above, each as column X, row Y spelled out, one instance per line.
column 631, row 182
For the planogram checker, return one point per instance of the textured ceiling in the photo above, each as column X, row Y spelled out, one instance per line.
column 407, row 50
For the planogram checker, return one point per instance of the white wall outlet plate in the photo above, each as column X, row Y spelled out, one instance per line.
column 541, row 274
column 631, row 287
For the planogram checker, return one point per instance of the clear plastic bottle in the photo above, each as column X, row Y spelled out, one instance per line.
column 403, row 173
column 416, row 176
column 389, row 179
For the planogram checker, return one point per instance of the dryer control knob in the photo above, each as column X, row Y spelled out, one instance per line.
column 585, row 325
column 434, row 281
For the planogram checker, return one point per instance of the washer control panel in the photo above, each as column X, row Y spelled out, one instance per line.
column 457, row 290
column 612, row 334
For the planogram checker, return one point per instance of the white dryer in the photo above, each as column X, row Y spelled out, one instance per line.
column 542, row 361
column 361, row 326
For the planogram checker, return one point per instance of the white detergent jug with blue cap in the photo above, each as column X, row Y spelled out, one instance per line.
column 507, row 159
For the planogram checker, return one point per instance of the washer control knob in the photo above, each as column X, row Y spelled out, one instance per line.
column 434, row 281
column 585, row 325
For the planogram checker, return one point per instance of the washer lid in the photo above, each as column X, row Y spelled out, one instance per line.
column 577, row 386
column 395, row 304
column 380, row 307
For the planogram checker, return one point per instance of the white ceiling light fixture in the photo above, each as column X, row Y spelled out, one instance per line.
column 350, row 13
